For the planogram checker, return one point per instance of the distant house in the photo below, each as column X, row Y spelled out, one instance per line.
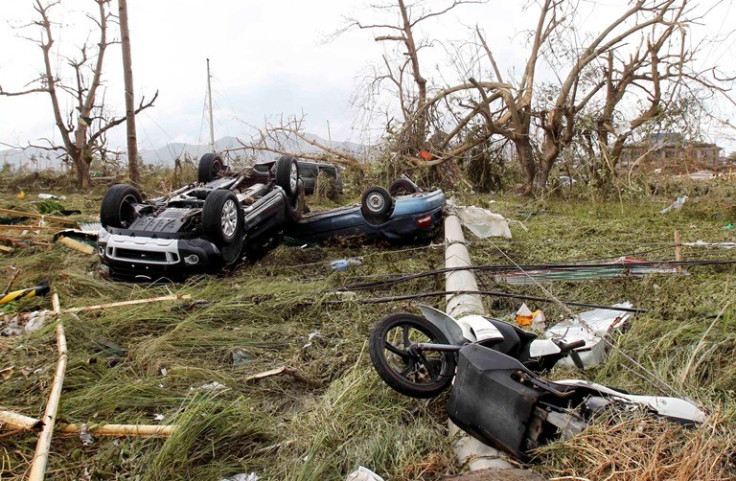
column 663, row 149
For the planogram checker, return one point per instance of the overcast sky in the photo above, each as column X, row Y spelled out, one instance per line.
column 267, row 58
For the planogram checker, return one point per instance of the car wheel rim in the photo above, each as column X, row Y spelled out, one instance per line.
column 293, row 177
column 375, row 202
column 127, row 211
column 229, row 218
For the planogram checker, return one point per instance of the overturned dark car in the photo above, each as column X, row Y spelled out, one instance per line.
column 202, row 227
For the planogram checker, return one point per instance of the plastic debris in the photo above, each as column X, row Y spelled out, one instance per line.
column 591, row 326
column 52, row 196
column 342, row 264
column 242, row 477
column 85, row 436
column 525, row 317
column 158, row 417
column 363, row 474
column 675, row 205
column 239, row 357
column 728, row 226
column 210, row 386
column 483, row 223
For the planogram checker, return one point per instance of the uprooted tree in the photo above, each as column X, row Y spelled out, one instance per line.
column 575, row 86
column 82, row 130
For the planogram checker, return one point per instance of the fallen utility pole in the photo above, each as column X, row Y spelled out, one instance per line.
column 468, row 450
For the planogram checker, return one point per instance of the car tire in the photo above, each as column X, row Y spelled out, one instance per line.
column 402, row 187
column 222, row 218
column 376, row 205
column 287, row 176
column 210, row 166
column 118, row 206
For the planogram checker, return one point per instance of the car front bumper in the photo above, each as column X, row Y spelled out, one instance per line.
column 148, row 259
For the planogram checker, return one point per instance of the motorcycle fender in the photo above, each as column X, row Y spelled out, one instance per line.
column 673, row 408
column 480, row 328
column 543, row 347
column 444, row 323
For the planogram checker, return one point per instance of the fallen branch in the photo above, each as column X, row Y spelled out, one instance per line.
column 14, row 421
column 126, row 303
column 12, row 280
column 277, row 372
column 31, row 215
column 40, row 458
column 142, row 430
column 19, row 423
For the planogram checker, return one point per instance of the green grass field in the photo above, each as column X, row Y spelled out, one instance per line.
column 338, row 415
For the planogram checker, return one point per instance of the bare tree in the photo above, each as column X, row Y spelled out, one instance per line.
column 82, row 131
column 283, row 137
column 403, row 72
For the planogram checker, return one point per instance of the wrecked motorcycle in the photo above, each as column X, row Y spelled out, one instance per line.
column 498, row 400
column 416, row 355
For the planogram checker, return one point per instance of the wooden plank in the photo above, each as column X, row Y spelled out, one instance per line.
column 76, row 245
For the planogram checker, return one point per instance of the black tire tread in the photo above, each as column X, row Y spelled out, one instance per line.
column 111, row 203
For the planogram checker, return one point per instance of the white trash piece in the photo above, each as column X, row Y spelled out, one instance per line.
column 363, row 474
column 484, row 223
column 675, row 205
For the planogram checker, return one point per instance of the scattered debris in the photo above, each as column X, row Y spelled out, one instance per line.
column 239, row 357
column 675, row 205
column 39, row 290
column 85, row 436
column 591, row 327
column 7, row 373
column 242, row 477
column 41, row 217
column 483, row 223
column 164, row 371
column 525, row 317
column 277, row 372
column 51, row 196
column 363, row 474
column 700, row 243
column 210, row 386
column 625, row 265
column 76, row 245
column 343, row 264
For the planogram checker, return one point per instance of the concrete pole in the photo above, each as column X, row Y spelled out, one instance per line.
column 467, row 449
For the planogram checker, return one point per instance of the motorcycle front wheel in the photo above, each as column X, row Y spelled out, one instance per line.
column 418, row 374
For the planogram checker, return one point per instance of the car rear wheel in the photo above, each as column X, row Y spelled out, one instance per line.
column 210, row 165
column 376, row 205
column 287, row 176
column 118, row 206
column 402, row 187
column 222, row 218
